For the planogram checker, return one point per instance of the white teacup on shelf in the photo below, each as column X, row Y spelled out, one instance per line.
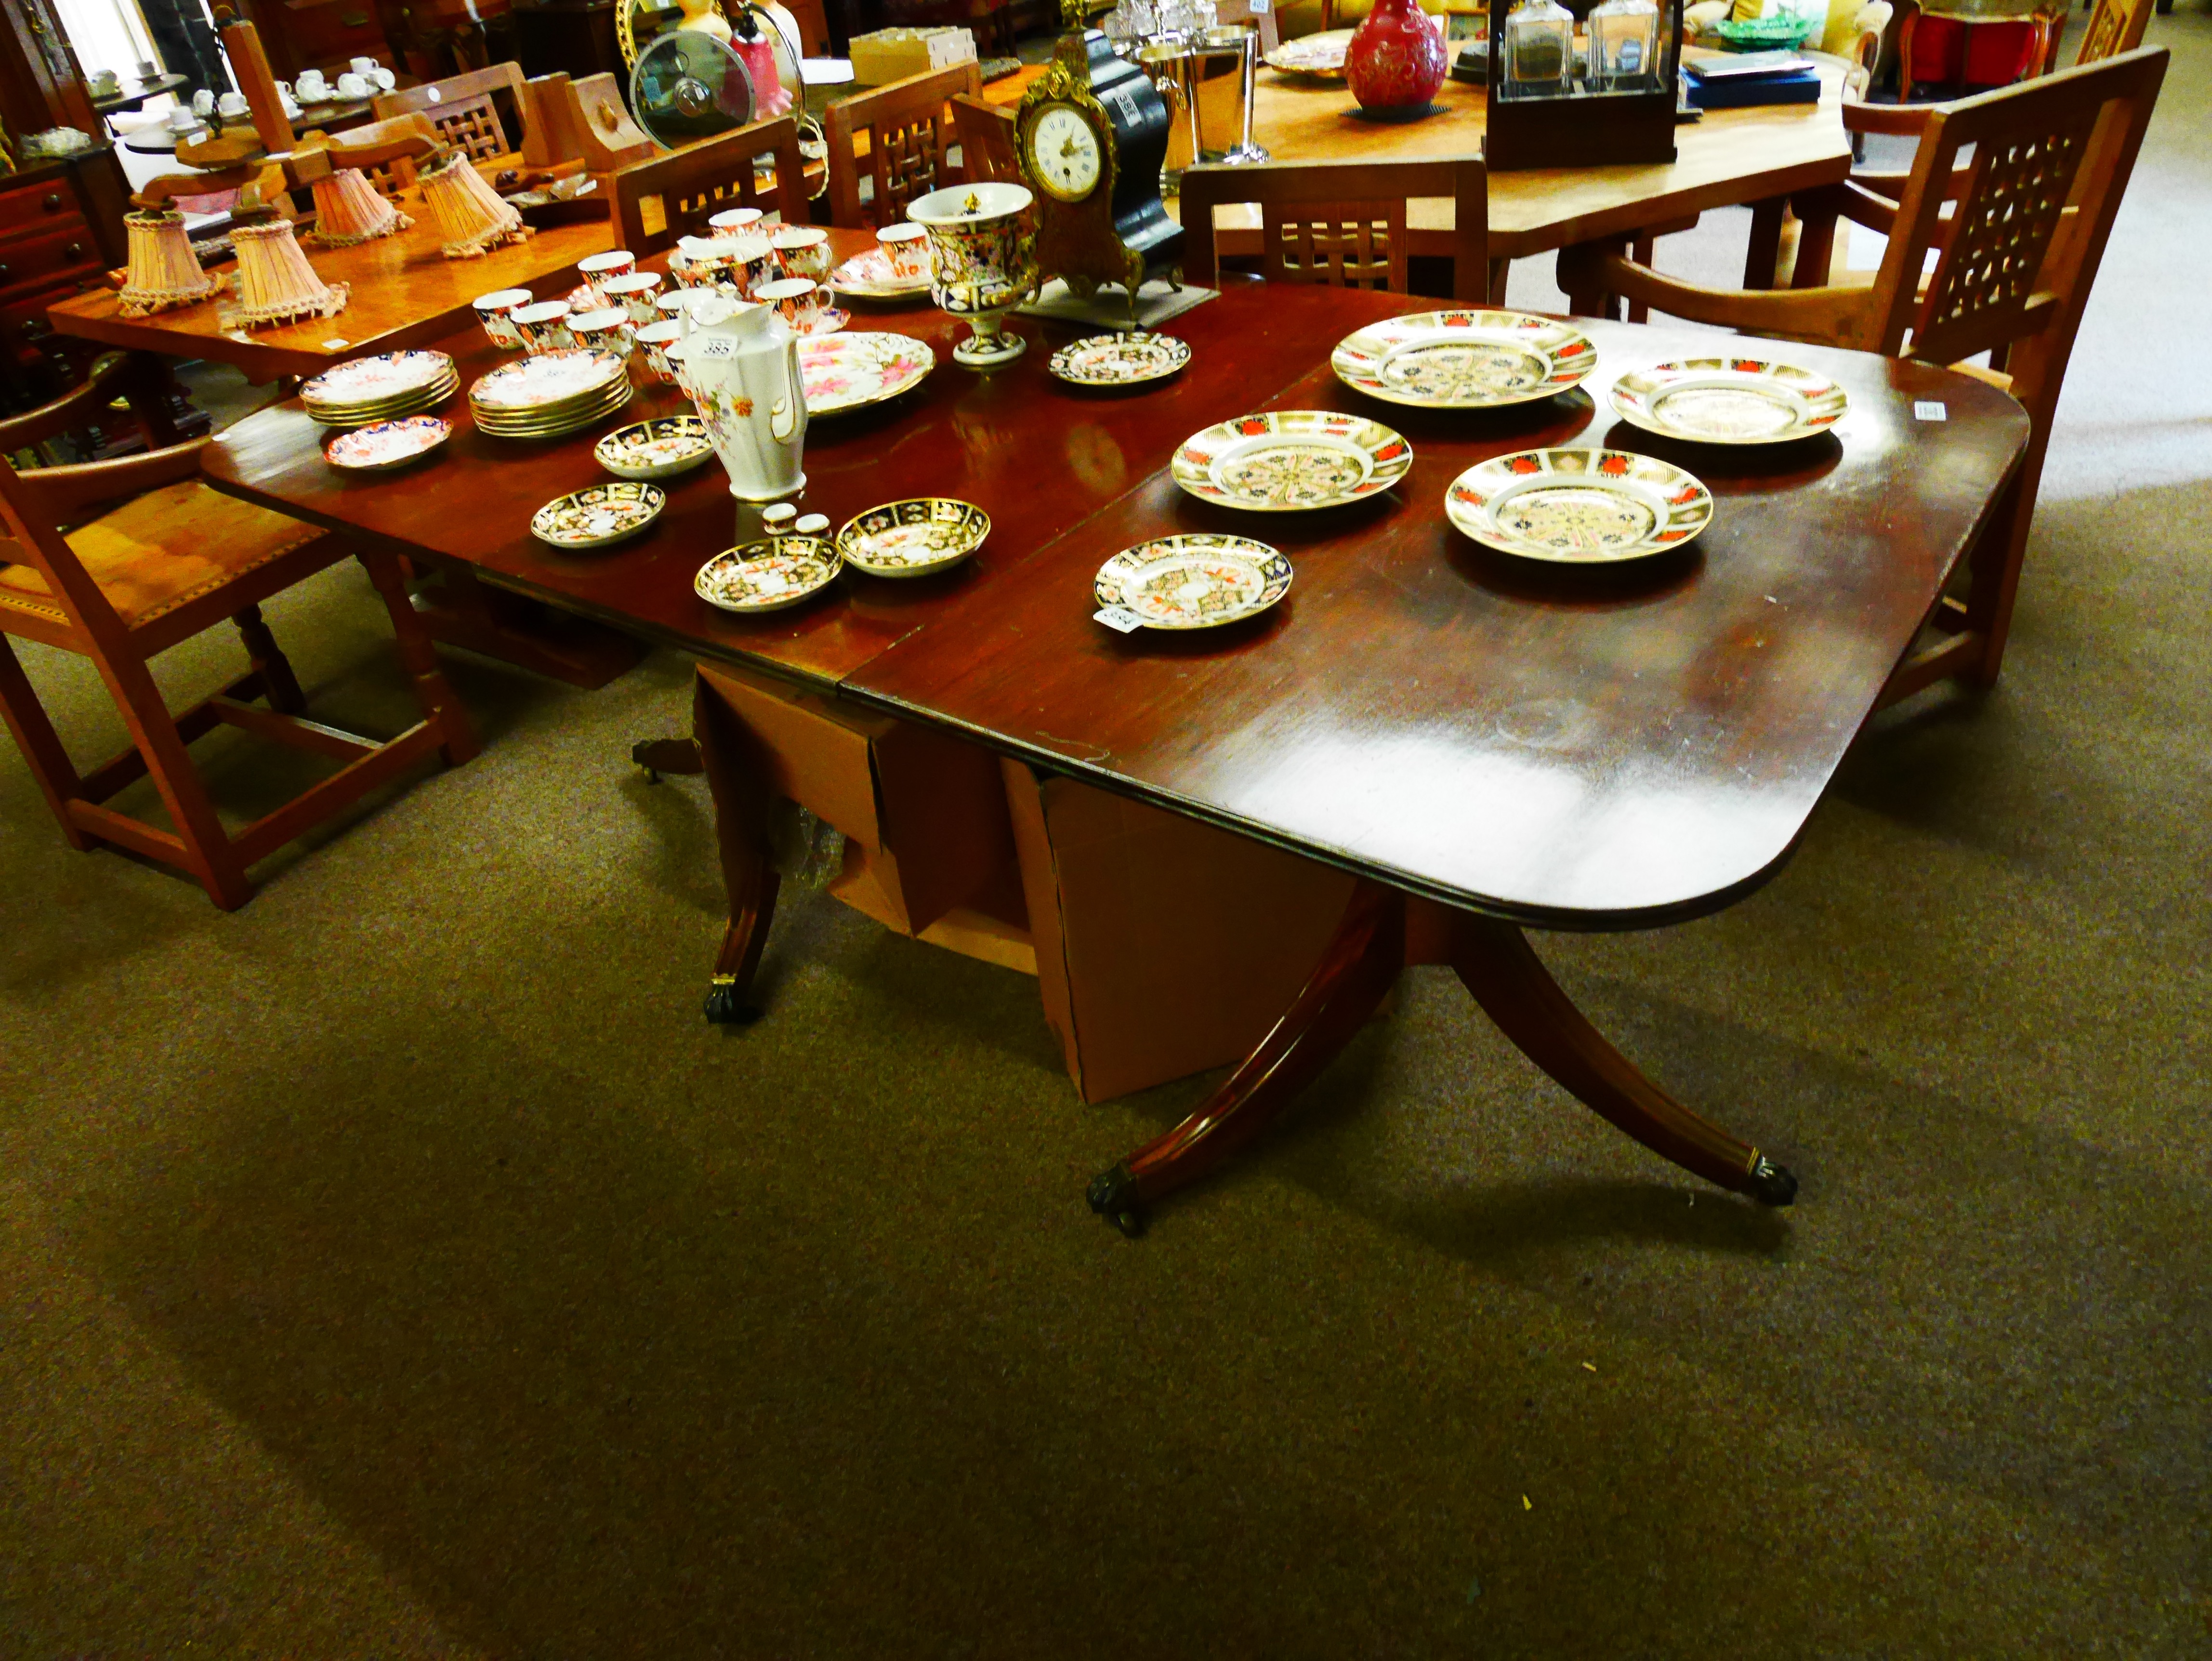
column 353, row 86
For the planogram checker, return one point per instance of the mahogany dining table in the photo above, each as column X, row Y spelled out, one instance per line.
column 1488, row 744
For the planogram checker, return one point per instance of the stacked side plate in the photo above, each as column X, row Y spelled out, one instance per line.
column 549, row 393
column 380, row 389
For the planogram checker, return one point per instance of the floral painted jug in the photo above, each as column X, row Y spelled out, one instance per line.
column 740, row 364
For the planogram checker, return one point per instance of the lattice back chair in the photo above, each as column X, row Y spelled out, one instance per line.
column 2031, row 210
column 670, row 196
column 985, row 132
column 151, row 557
column 462, row 110
column 908, row 135
column 1342, row 224
column 2115, row 26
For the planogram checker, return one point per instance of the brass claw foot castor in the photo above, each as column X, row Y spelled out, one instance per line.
column 1112, row 1195
column 1771, row 1184
column 726, row 1007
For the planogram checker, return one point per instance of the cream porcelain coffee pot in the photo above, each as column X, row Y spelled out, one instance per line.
column 740, row 364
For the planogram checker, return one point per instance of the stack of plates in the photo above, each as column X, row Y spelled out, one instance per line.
column 549, row 393
column 381, row 388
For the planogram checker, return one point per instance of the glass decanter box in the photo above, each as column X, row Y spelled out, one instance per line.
column 1571, row 94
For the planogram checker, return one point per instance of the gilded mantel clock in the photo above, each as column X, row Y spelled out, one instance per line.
column 1092, row 135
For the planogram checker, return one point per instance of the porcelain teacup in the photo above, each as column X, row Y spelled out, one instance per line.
column 544, row 325
column 496, row 312
column 802, row 251
column 798, row 300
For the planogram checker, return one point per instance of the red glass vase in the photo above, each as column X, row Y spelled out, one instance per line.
column 1395, row 59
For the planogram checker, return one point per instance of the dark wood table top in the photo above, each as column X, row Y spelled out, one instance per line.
column 1567, row 747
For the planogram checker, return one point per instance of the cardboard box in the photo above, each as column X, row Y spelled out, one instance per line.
column 893, row 54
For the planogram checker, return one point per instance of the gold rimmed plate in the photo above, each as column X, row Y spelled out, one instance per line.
column 869, row 276
column 1132, row 359
column 852, row 369
column 1291, row 461
column 1200, row 580
column 768, row 575
column 664, row 447
column 913, row 537
column 1730, row 400
column 547, row 380
column 1578, row 507
column 598, row 516
column 385, row 444
column 380, row 379
column 1319, row 56
column 1468, row 358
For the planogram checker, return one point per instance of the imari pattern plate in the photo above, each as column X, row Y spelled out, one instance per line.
column 767, row 575
column 913, row 537
column 1288, row 460
column 1578, row 507
column 597, row 516
column 850, row 371
column 654, row 449
column 869, row 276
column 1464, row 360
column 1730, row 400
column 387, row 443
column 1121, row 360
column 1200, row 580
column 546, row 379
column 375, row 380
column 1319, row 54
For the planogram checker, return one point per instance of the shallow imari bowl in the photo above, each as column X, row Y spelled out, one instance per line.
column 913, row 537
column 1472, row 359
column 597, row 516
column 1730, row 400
column 1200, row 580
column 387, row 443
column 1288, row 460
column 1121, row 360
column 654, row 449
column 768, row 575
column 1578, row 507
column 850, row 371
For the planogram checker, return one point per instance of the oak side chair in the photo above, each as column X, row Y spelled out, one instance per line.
column 2015, row 260
column 168, row 559
column 908, row 135
column 461, row 108
column 986, row 135
column 657, row 200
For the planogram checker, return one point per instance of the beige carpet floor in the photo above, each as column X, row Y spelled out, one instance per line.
column 399, row 1268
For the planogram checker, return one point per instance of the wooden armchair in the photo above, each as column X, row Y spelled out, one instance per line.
column 1342, row 222
column 166, row 559
column 670, row 196
column 908, row 134
column 985, row 134
column 2016, row 257
column 462, row 111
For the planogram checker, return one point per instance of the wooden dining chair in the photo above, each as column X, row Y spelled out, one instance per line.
column 673, row 195
column 151, row 558
column 985, row 134
column 461, row 108
column 907, row 133
column 1342, row 224
column 2029, row 216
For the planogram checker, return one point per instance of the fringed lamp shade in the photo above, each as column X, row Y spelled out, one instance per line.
column 276, row 284
column 163, row 270
column 470, row 218
column 349, row 210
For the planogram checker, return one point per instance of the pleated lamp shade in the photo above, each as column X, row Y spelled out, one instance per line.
column 163, row 271
column 276, row 284
column 470, row 218
column 350, row 210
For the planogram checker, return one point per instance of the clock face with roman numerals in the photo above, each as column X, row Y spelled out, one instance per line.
column 1064, row 154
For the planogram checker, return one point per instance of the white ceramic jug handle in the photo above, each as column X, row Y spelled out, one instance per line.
column 783, row 414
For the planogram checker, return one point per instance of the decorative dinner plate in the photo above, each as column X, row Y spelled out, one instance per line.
column 849, row 371
column 1472, row 359
column 767, row 575
column 598, row 514
column 1730, row 400
column 869, row 276
column 1121, row 360
column 659, row 448
column 546, row 379
column 1578, row 507
column 1200, row 580
column 376, row 380
column 915, row 537
column 1321, row 55
column 1287, row 460
column 387, row 443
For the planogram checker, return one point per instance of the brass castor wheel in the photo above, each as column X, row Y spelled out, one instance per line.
column 1771, row 1184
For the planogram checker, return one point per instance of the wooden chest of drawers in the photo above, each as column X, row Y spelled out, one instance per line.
column 61, row 232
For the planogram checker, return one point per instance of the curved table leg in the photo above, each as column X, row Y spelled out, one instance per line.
column 1496, row 963
column 741, row 802
column 1358, row 969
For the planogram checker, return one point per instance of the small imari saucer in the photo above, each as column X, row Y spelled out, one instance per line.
column 1290, row 460
column 661, row 449
column 1200, row 580
column 1578, row 507
column 767, row 575
column 1121, row 360
column 915, row 537
column 597, row 516
column 1730, row 400
column 387, row 443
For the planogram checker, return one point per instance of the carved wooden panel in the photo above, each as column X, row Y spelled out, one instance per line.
column 472, row 127
column 2007, row 216
column 904, row 157
column 1345, row 245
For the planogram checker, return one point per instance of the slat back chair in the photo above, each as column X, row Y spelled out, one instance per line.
column 153, row 557
column 985, row 132
column 670, row 196
column 1342, row 224
column 907, row 133
column 2115, row 26
column 461, row 108
column 2031, row 210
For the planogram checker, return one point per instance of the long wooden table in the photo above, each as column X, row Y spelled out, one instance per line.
column 1485, row 744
